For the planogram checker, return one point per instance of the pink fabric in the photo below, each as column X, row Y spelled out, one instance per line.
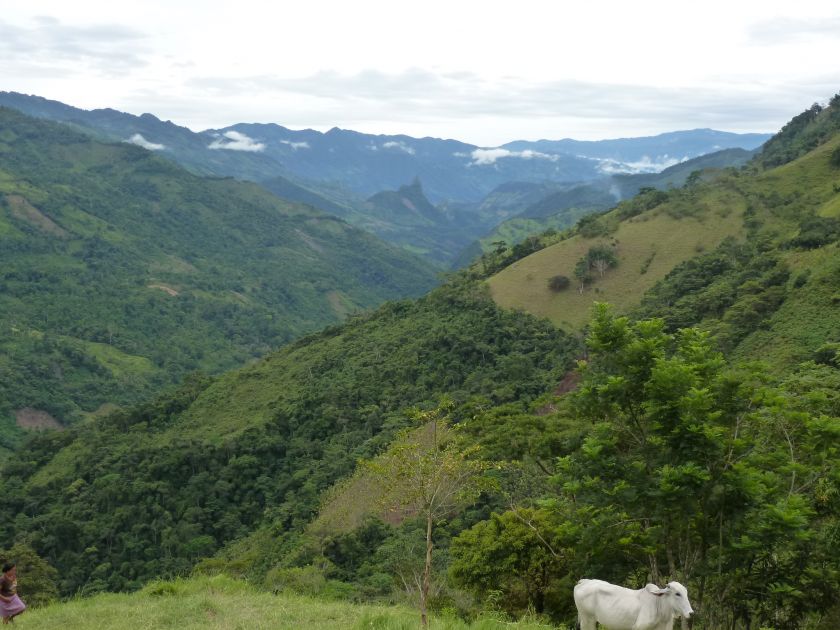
column 12, row 608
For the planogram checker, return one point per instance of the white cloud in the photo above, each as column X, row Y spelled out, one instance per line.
column 482, row 157
column 236, row 141
column 296, row 145
column 398, row 145
column 140, row 141
column 645, row 165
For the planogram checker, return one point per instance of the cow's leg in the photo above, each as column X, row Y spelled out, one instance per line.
column 585, row 622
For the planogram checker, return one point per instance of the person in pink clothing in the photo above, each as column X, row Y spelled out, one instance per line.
column 10, row 604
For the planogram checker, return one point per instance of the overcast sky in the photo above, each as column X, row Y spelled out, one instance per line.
column 485, row 72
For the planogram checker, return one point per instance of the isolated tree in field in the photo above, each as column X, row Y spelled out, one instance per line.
column 428, row 474
column 582, row 274
column 601, row 258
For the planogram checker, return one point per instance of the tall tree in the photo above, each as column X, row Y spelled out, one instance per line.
column 429, row 474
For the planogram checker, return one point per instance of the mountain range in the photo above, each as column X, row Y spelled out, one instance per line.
column 342, row 171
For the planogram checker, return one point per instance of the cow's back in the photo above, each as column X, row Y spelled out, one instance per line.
column 610, row 605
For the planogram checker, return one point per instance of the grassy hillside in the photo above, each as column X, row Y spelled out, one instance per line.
column 688, row 222
column 563, row 206
column 225, row 604
column 121, row 272
column 647, row 246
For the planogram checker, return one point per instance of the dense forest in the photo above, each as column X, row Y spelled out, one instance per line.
column 120, row 272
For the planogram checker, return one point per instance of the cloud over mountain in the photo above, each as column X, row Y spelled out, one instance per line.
column 482, row 157
column 140, row 141
column 236, row 141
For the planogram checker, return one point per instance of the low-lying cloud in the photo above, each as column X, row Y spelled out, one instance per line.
column 236, row 141
column 398, row 145
column 296, row 145
column 482, row 157
column 140, row 141
column 645, row 165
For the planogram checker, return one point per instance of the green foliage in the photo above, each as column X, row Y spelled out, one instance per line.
column 816, row 232
column 522, row 554
column 599, row 258
column 120, row 272
column 559, row 283
column 146, row 492
column 37, row 580
column 803, row 133
column 733, row 290
column 593, row 226
column 713, row 476
column 834, row 160
column 646, row 199
column 430, row 474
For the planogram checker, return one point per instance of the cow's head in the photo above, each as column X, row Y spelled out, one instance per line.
column 677, row 596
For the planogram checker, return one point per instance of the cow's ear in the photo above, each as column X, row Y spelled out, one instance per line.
column 653, row 589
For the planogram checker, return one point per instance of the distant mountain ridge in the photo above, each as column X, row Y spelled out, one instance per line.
column 349, row 174
column 369, row 163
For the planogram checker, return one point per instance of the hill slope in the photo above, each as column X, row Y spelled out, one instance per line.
column 562, row 206
column 177, row 478
column 121, row 272
column 750, row 255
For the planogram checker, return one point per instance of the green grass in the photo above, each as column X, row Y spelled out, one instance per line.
column 223, row 603
column 808, row 317
column 524, row 284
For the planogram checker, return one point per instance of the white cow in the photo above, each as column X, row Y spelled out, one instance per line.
column 619, row 608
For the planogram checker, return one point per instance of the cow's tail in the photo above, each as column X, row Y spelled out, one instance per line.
column 577, row 624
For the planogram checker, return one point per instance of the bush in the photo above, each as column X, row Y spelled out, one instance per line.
column 559, row 283
column 816, row 231
column 834, row 160
column 828, row 354
column 37, row 580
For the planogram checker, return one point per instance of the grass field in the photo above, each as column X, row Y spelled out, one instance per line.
column 221, row 603
column 648, row 247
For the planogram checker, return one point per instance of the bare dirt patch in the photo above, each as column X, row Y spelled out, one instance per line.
column 22, row 209
column 165, row 288
column 36, row 419
column 309, row 241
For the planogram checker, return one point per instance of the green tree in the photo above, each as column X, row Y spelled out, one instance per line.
column 582, row 273
column 429, row 474
column 37, row 580
column 558, row 283
column 721, row 476
column 601, row 258
column 524, row 553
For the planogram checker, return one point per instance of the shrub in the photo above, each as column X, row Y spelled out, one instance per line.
column 36, row 577
column 559, row 283
column 834, row 160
